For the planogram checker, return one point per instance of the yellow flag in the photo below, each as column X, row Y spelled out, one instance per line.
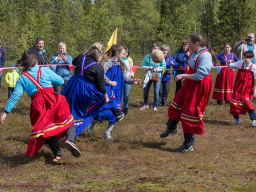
column 112, row 40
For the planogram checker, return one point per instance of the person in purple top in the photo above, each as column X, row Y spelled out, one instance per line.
column 166, row 76
column 225, row 79
column 180, row 56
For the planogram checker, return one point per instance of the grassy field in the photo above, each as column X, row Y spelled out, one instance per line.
column 223, row 159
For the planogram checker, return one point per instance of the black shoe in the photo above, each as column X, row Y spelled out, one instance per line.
column 120, row 117
column 125, row 110
column 219, row 102
column 183, row 149
column 168, row 132
column 227, row 102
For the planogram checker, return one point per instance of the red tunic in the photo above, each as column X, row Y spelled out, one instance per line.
column 190, row 102
column 243, row 92
column 49, row 114
column 224, row 83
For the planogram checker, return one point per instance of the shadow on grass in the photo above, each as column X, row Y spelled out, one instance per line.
column 135, row 105
column 17, row 160
column 153, row 145
column 18, row 138
column 217, row 122
column 21, row 159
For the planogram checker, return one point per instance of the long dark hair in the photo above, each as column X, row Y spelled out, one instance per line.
column 28, row 60
column 197, row 37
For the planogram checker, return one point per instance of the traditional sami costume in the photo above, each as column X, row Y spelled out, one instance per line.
column 243, row 91
column 225, row 79
column 115, row 73
column 49, row 113
column 188, row 105
column 84, row 98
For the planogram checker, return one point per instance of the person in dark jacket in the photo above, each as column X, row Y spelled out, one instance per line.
column 2, row 62
column 180, row 56
column 39, row 49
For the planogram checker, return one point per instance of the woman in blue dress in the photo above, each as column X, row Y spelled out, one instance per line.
column 115, row 79
column 85, row 91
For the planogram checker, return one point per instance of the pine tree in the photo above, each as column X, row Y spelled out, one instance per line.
column 235, row 21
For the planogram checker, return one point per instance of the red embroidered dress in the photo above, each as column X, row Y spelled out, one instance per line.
column 49, row 114
column 224, row 82
column 243, row 92
column 190, row 102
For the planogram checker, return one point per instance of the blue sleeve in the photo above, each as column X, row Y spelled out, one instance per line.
column 175, row 55
column 18, row 91
column 52, row 60
column 219, row 55
column 55, row 78
column 235, row 57
column 173, row 60
column 69, row 60
column 3, row 58
column 184, row 63
column 204, row 66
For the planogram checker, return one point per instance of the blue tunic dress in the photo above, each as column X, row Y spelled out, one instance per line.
column 84, row 98
column 114, row 73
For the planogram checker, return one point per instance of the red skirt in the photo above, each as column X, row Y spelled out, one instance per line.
column 188, row 105
column 224, row 85
column 243, row 92
column 50, row 116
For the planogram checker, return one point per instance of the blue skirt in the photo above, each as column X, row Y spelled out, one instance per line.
column 85, row 101
column 115, row 74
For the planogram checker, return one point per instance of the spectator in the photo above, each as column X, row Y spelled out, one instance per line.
column 180, row 56
column 129, row 73
column 11, row 78
column 62, row 70
column 2, row 62
column 148, row 62
column 39, row 49
column 166, row 76
column 246, row 44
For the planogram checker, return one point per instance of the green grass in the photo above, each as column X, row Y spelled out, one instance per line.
column 223, row 158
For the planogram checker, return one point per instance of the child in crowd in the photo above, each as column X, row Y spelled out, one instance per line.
column 11, row 77
column 243, row 88
column 128, row 72
column 49, row 113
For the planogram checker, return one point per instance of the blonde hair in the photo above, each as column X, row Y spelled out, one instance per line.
column 62, row 44
column 97, row 50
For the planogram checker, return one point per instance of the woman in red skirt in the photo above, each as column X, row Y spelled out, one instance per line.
column 188, row 105
column 225, row 79
column 49, row 111
column 243, row 88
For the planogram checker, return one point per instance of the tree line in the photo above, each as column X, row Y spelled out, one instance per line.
column 79, row 23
